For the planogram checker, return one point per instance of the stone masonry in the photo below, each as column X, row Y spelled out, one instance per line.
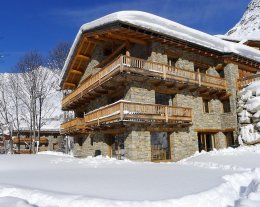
column 183, row 141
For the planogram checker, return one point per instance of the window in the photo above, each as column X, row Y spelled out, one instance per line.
column 229, row 139
column 206, row 141
column 80, row 141
column 91, row 141
column 205, row 106
column 226, row 106
column 163, row 99
column 160, row 146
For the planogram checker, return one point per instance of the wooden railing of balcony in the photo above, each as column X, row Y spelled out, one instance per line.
column 138, row 112
column 144, row 67
column 243, row 82
column 74, row 125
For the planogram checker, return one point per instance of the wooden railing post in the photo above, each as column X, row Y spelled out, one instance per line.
column 121, row 63
column 98, row 117
column 121, row 111
column 164, row 72
column 199, row 77
column 166, row 114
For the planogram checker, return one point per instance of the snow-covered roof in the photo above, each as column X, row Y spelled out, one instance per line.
column 167, row 27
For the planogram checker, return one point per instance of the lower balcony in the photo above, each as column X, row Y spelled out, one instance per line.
column 243, row 82
column 123, row 111
column 76, row 125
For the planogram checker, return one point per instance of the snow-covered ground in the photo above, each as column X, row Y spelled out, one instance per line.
column 229, row 177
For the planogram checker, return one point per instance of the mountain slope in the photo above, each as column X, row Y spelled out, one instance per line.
column 249, row 25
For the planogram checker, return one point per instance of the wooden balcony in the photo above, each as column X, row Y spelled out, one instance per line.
column 143, row 68
column 243, row 82
column 76, row 125
column 123, row 111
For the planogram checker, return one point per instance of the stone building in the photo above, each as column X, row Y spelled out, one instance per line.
column 146, row 88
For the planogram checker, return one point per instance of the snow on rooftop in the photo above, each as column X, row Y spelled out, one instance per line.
column 168, row 27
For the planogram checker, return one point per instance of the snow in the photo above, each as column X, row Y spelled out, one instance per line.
column 226, row 177
column 253, row 104
column 249, row 116
column 248, row 28
column 161, row 25
column 52, row 113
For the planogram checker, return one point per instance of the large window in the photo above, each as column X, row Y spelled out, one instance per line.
column 160, row 144
column 229, row 139
column 206, row 141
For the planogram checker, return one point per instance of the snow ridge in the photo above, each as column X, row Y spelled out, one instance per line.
column 248, row 28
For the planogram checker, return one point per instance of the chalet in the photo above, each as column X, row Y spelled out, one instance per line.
column 146, row 88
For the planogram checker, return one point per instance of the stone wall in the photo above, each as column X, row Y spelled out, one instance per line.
column 184, row 143
column 138, row 144
column 96, row 58
column 90, row 144
column 138, row 92
column 220, row 140
column 158, row 53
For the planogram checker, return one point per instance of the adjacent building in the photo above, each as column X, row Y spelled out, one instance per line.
column 146, row 88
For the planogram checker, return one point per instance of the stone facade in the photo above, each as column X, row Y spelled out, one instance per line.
column 183, row 141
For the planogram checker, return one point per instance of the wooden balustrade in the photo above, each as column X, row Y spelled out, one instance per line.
column 143, row 67
column 243, row 82
column 137, row 112
column 73, row 125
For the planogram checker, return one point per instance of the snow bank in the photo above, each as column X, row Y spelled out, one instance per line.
column 9, row 201
column 249, row 113
column 53, row 153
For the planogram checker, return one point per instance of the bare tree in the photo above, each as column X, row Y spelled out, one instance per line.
column 29, row 66
column 5, row 110
column 46, row 85
column 58, row 55
column 14, row 86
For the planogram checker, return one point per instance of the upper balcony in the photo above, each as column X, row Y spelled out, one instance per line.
column 124, row 111
column 76, row 125
column 147, row 70
column 243, row 82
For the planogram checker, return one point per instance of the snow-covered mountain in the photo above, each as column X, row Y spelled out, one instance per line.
column 249, row 25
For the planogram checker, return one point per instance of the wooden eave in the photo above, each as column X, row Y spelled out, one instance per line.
column 242, row 62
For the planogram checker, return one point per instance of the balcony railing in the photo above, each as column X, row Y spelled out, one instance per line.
column 138, row 112
column 243, row 82
column 74, row 125
column 146, row 68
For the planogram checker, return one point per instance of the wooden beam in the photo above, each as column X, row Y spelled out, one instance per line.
column 126, row 38
column 111, row 56
column 83, row 57
column 70, row 84
column 76, row 72
column 91, row 40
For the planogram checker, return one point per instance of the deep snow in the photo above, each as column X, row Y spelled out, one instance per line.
column 228, row 177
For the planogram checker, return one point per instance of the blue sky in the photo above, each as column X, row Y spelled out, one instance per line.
column 27, row 25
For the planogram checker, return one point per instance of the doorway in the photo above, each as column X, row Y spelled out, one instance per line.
column 160, row 146
column 206, row 141
column 116, row 147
